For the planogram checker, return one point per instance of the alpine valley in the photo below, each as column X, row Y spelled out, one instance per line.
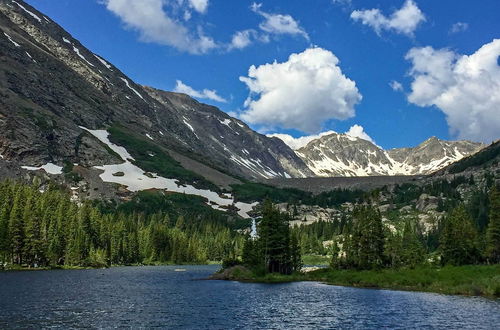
column 64, row 109
column 97, row 170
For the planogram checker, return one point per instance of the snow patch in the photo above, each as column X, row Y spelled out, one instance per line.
column 244, row 208
column 149, row 137
column 106, row 64
column 31, row 57
column 135, row 179
column 10, row 39
column 130, row 87
column 66, row 41
column 103, row 136
column 29, row 12
column 77, row 51
column 50, row 168
column 184, row 120
column 225, row 122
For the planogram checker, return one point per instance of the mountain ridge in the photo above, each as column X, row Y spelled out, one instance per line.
column 344, row 155
column 60, row 101
column 70, row 86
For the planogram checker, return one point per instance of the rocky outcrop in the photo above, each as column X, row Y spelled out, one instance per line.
column 344, row 155
column 50, row 85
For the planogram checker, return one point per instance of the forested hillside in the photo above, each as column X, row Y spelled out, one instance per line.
column 48, row 229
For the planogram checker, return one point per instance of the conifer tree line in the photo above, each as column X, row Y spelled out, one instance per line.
column 48, row 229
column 368, row 244
column 276, row 249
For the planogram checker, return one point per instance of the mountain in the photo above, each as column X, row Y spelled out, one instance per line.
column 69, row 115
column 343, row 155
column 52, row 87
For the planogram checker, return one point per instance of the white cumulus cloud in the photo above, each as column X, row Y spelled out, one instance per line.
column 199, row 5
column 396, row 86
column 296, row 143
column 153, row 23
column 404, row 20
column 180, row 87
column 466, row 88
column 459, row 27
column 301, row 93
column 278, row 23
column 358, row 131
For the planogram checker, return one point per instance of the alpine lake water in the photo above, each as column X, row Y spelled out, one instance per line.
column 169, row 297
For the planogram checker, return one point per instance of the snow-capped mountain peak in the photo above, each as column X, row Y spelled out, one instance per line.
column 345, row 155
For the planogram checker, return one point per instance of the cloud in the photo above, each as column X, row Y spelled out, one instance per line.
column 199, row 5
column 466, row 88
column 149, row 18
column 356, row 131
column 301, row 93
column 459, row 27
column 396, row 86
column 345, row 3
column 180, row 87
column 242, row 39
column 278, row 23
column 403, row 21
column 297, row 143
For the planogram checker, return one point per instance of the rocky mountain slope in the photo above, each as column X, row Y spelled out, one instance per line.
column 69, row 115
column 51, row 86
column 344, row 155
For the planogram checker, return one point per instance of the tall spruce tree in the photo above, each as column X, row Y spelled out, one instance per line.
column 493, row 229
column 412, row 250
column 366, row 244
column 274, row 239
column 16, row 226
column 458, row 239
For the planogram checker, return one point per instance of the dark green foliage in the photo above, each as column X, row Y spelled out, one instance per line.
column 295, row 253
column 493, row 231
column 161, row 162
column 275, row 250
column 174, row 205
column 251, row 191
column 485, row 157
column 412, row 249
column 42, row 229
column 251, row 252
column 458, row 240
column 478, row 206
column 365, row 247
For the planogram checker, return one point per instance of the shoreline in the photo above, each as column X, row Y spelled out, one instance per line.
column 28, row 269
column 475, row 280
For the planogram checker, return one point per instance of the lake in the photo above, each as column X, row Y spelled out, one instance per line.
column 145, row 297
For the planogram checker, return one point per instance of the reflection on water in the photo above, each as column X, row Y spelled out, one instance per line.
column 161, row 297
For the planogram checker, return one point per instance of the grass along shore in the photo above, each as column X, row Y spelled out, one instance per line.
column 472, row 280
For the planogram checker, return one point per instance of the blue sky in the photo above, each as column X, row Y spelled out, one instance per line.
column 348, row 53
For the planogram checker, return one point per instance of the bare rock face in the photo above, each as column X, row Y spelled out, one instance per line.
column 50, row 85
column 343, row 155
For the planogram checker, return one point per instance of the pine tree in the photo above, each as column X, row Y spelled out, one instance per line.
column 493, row 229
column 413, row 252
column 458, row 239
column 16, row 226
column 274, row 240
column 366, row 250
column 4, row 226
column 34, row 245
column 295, row 253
